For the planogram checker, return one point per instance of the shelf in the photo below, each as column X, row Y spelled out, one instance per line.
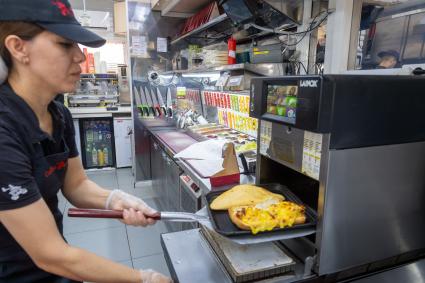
column 99, row 76
column 192, row 71
column 264, row 69
column 211, row 23
column 269, row 69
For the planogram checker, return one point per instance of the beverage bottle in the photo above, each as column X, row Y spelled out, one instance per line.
column 94, row 156
column 106, row 156
column 89, row 135
column 100, row 134
column 88, row 151
column 100, row 157
column 94, row 128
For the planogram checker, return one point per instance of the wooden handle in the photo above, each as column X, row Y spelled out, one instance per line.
column 101, row 213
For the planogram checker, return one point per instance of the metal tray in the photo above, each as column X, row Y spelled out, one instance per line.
column 246, row 263
column 222, row 224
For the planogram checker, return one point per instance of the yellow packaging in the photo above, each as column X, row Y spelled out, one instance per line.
column 239, row 122
column 240, row 102
column 100, row 157
column 229, row 118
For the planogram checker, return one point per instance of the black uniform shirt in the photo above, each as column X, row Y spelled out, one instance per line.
column 19, row 133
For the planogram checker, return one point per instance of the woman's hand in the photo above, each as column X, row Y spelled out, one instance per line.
column 135, row 211
column 151, row 276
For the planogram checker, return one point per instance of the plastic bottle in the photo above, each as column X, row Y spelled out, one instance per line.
column 89, row 135
column 100, row 132
column 88, row 151
column 100, row 157
column 93, row 128
column 94, row 156
column 106, row 156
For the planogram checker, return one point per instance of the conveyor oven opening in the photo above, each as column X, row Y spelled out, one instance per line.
column 304, row 187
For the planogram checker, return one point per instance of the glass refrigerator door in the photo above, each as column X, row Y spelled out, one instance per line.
column 97, row 140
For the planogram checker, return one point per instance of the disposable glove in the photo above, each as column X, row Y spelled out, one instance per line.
column 135, row 211
column 151, row 276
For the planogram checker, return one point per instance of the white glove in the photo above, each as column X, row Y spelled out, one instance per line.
column 151, row 276
column 135, row 211
column 3, row 71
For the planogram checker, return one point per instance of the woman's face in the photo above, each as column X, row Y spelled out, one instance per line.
column 55, row 61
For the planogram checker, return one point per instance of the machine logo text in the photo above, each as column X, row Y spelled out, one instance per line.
column 308, row 83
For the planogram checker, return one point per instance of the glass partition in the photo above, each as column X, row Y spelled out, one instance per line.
column 392, row 34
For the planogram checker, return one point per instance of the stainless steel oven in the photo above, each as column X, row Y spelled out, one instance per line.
column 352, row 147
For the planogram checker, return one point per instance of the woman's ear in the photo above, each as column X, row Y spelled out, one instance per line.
column 18, row 48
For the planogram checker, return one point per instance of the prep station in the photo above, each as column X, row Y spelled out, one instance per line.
column 320, row 101
column 349, row 174
column 349, row 146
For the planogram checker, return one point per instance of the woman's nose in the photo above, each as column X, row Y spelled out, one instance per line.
column 79, row 57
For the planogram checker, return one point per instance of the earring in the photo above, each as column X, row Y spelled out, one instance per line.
column 26, row 60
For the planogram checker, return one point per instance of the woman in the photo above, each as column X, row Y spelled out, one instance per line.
column 38, row 155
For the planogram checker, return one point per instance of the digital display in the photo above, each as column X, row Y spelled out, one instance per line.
column 282, row 101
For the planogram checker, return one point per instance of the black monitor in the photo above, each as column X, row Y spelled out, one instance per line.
column 256, row 11
column 237, row 11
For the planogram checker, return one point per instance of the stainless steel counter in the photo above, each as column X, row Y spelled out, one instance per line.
column 158, row 126
column 190, row 259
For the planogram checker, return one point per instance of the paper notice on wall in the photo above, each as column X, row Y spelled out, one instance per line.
column 235, row 81
column 222, row 81
column 312, row 152
column 265, row 137
column 139, row 45
column 161, row 44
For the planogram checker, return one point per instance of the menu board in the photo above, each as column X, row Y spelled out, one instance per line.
column 282, row 101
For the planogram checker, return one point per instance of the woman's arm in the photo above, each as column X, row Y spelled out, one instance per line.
column 34, row 228
column 83, row 193
column 79, row 190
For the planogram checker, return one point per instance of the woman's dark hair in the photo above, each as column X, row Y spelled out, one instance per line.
column 24, row 30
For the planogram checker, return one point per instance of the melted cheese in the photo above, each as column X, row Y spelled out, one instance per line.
column 282, row 214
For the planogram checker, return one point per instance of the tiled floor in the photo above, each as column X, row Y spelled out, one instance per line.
column 135, row 247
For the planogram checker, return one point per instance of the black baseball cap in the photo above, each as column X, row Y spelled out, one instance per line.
column 393, row 53
column 53, row 15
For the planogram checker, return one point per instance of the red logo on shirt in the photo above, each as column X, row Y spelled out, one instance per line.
column 65, row 10
column 60, row 165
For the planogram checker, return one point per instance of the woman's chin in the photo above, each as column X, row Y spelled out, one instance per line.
column 68, row 88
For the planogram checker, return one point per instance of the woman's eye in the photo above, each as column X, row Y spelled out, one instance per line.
column 67, row 45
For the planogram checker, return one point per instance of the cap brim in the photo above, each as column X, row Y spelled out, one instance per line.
column 75, row 33
column 383, row 53
column 386, row 53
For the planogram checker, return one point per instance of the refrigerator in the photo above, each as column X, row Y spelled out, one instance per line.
column 97, row 142
column 123, row 129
